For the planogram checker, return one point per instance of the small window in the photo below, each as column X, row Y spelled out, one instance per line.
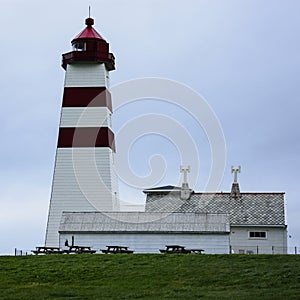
column 257, row 234
column 79, row 46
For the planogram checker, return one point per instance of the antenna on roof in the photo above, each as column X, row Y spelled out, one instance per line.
column 89, row 11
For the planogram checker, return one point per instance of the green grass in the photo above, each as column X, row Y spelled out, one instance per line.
column 150, row 277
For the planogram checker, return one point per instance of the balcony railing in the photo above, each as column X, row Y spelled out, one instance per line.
column 89, row 56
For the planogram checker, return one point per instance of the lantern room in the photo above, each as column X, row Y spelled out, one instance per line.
column 89, row 46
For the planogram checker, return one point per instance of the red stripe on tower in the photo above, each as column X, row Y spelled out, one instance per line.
column 86, row 137
column 87, row 97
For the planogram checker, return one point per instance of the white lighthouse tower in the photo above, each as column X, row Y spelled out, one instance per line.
column 84, row 177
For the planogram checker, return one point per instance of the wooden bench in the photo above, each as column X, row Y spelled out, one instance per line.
column 174, row 249
column 117, row 250
column 47, row 250
column 196, row 251
column 80, row 250
column 177, row 249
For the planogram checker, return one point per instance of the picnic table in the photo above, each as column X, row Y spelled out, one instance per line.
column 177, row 249
column 47, row 250
column 196, row 251
column 117, row 250
column 80, row 250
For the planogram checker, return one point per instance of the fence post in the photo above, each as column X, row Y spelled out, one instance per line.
column 257, row 249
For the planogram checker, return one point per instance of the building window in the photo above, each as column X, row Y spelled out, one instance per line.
column 257, row 234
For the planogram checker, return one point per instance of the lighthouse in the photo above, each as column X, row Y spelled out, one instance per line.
column 84, row 177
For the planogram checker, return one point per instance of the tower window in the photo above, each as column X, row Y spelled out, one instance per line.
column 79, row 46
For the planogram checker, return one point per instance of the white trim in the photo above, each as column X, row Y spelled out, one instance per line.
column 85, row 117
column 257, row 237
column 86, row 75
column 263, row 225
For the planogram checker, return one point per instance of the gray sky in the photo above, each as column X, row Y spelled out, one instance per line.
column 242, row 56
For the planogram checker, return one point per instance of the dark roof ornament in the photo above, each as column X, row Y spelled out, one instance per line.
column 235, row 189
column 89, row 21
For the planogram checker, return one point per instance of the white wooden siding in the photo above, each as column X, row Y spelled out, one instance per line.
column 85, row 117
column 151, row 242
column 115, row 183
column 82, row 181
column 86, row 75
column 275, row 243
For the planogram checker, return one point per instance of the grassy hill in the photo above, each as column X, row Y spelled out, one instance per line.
column 150, row 277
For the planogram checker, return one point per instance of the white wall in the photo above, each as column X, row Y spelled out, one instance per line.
column 274, row 243
column 84, row 180
column 85, row 117
column 150, row 243
column 86, row 75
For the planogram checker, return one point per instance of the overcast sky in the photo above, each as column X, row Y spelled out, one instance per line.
column 242, row 56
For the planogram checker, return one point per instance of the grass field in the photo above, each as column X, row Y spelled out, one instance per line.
column 150, row 277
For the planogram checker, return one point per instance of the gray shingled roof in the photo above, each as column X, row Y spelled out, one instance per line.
column 143, row 222
column 249, row 209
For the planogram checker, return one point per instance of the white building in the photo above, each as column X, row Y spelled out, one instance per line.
column 146, row 232
column 245, row 223
column 257, row 220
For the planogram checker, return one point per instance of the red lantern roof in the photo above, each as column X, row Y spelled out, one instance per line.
column 89, row 32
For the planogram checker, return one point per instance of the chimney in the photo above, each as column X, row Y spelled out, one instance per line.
column 185, row 192
column 235, row 188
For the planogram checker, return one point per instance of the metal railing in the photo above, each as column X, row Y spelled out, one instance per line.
column 259, row 249
column 21, row 252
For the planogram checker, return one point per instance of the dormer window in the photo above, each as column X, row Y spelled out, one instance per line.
column 79, row 46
